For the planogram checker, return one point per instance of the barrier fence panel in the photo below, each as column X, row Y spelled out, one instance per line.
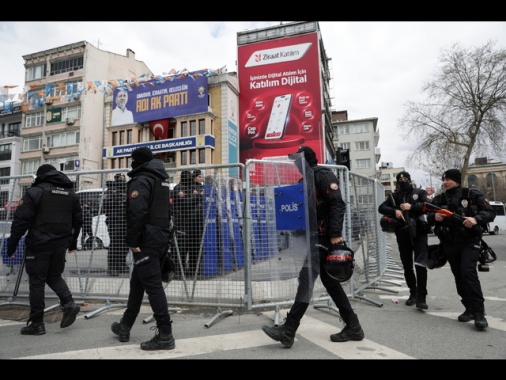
column 239, row 239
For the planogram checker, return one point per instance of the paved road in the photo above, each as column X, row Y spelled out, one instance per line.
column 393, row 331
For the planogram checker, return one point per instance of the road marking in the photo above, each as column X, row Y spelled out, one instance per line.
column 319, row 333
column 184, row 348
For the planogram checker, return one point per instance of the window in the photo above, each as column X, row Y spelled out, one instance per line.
column 36, row 72
column 361, row 128
column 472, row 181
column 62, row 139
column 67, row 65
column 129, row 136
column 71, row 113
column 34, row 119
column 5, row 152
column 31, row 166
column 344, row 130
column 184, row 158
column 345, row 145
column 184, row 128
column 385, row 177
column 193, row 127
column 202, row 156
column 114, row 139
column 202, row 126
column 364, row 163
column 12, row 129
column 5, row 172
column 193, row 157
column 365, row 199
column 361, row 145
column 121, row 137
column 32, row 143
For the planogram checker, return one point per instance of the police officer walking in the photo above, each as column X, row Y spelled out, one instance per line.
column 330, row 216
column 461, row 242
column 404, row 205
column 51, row 213
column 148, row 234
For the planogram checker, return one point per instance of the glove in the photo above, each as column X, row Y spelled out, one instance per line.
column 10, row 249
column 73, row 245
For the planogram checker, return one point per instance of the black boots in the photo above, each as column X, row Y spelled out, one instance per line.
column 418, row 299
column 285, row 334
column 466, row 316
column 70, row 311
column 352, row 330
column 163, row 339
column 421, row 303
column 480, row 322
column 478, row 314
column 34, row 328
column 122, row 330
column 411, row 300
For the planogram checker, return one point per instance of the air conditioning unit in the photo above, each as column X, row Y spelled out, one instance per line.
column 45, row 149
column 69, row 121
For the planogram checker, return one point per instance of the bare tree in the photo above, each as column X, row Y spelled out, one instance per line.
column 465, row 110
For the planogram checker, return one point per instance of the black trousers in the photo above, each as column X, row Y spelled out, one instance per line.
column 146, row 277
column 463, row 259
column 307, row 277
column 409, row 253
column 46, row 267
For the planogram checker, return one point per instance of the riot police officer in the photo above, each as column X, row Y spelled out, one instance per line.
column 461, row 241
column 405, row 205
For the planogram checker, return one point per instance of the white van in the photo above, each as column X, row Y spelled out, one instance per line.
column 499, row 223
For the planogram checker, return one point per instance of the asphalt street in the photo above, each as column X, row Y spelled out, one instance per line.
column 392, row 331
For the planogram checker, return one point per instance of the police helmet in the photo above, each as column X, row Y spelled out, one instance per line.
column 436, row 256
column 388, row 224
column 339, row 262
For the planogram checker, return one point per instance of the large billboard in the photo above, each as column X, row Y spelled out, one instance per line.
column 280, row 97
column 155, row 101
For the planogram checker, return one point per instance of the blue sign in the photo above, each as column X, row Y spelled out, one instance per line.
column 161, row 146
column 290, row 208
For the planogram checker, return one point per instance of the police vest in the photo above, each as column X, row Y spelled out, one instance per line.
column 55, row 210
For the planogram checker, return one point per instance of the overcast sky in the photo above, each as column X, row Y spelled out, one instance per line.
column 377, row 66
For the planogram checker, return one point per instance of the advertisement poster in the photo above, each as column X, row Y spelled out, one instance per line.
column 149, row 102
column 280, row 97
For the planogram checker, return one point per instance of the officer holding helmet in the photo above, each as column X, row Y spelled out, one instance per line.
column 330, row 216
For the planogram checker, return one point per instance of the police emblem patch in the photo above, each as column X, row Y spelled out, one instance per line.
column 334, row 186
column 134, row 194
column 464, row 203
column 415, row 197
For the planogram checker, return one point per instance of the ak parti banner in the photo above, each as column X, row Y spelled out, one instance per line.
column 159, row 128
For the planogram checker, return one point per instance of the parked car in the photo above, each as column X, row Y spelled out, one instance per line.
column 100, row 239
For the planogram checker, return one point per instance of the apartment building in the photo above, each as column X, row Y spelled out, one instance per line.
column 63, row 112
column 10, row 147
column 360, row 137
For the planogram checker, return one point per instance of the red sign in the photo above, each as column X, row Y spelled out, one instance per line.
column 280, row 97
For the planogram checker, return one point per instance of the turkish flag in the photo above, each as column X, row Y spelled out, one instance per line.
column 159, row 128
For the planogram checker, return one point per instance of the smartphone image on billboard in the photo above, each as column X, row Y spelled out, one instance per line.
column 279, row 117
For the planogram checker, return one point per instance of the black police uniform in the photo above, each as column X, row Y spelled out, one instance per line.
column 115, row 211
column 51, row 212
column 148, row 228
column 461, row 245
column 188, row 219
column 330, row 211
column 412, row 240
